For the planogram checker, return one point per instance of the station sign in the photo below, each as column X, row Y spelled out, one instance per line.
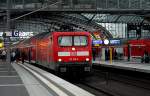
column 97, row 42
column 106, row 42
column 115, row 42
column 21, row 34
column 17, row 34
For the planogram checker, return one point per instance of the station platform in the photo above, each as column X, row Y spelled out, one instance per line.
column 126, row 65
column 10, row 82
column 18, row 79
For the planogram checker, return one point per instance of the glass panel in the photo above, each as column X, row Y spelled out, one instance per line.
column 65, row 2
column 112, row 4
column 145, row 4
column 65, row 40
column 124, row 4
column 80, row 40
column 135, row 4
column 84, row 3
column 101, row 3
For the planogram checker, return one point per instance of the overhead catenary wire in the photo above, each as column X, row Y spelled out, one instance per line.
column 34, row 11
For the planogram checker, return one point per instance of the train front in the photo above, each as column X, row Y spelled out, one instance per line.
column 73, row 52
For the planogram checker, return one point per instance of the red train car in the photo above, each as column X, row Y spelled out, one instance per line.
column 60, row 51
column 137, row 48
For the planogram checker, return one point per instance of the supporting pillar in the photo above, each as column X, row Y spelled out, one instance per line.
column 8, row 38
column 110, row 49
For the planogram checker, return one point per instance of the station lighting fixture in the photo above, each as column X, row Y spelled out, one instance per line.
column 106, row 41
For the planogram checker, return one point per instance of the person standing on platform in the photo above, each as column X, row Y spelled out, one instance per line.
column 13, row 56
column 94, row 53
column 22, row 57
column 146, row 57
column 4, row 55
column 17, row 56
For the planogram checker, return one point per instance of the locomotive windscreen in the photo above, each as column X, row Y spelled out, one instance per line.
column 65, row 40
column 80, row 40
column 72, row 40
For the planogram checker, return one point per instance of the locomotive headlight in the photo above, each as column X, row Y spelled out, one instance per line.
column 73, row 49
column 87, row 59
column 59, row 60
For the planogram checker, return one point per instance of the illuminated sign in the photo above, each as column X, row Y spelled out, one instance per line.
column 97, row 42
column 17, row 34
column 115, row 42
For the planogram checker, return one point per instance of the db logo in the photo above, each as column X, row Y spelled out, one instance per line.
column 73, row 54
column 15, row 34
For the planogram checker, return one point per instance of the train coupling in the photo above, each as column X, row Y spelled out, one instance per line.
column 63, row 69
column 88, row 69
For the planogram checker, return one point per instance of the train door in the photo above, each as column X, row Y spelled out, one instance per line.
column 29, row 54
column 50, row 53
column 47, row 53
column 36, row 52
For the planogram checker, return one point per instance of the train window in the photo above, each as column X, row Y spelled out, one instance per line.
column 80, row 40
column 65, row 40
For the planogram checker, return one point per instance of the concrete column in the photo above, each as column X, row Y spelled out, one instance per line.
column 103, row 54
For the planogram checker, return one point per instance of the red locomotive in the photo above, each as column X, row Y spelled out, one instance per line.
column 59, row 51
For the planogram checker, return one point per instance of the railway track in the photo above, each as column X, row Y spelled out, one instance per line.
column 134, row 81
column 118, row 84
column 103, row 83
column 98, row 90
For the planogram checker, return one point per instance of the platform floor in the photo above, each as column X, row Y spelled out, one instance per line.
column 10, row 82
column 16, row 81
column 32, row 85
column 126, row 65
